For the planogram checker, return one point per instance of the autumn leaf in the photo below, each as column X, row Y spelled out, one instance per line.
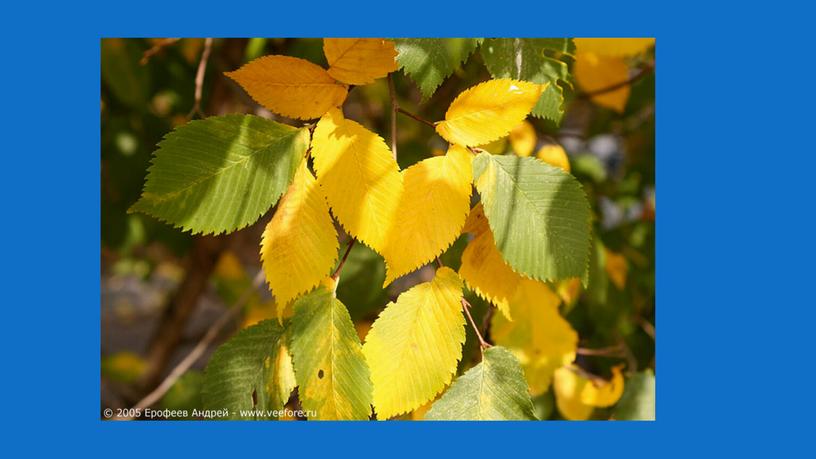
column 290, row 86
column 577, row 396
column 523, row 139
column 414, row 345
column 431, row 211
column 299, row 245
column 595, row 72
column 488, row 111
column 554, row 155
column 617, row 268
column 615, row 47
column 359, row 61
column 359, row 176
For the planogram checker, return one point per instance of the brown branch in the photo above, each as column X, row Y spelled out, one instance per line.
column 611, row 351
column 649, row 68
column 163, row 43
column 416, row 117
column 336, row 274
column 466, row 306
column 394, row 107
column 199, row 79
column 191, row 358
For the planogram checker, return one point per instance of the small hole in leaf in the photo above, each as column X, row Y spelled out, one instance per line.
column 320, row 374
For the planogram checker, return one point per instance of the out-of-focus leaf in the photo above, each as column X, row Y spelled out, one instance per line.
column 638, row 400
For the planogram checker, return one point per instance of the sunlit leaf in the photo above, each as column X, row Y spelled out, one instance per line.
column 554, row 155
column 614, row 46
column 493, row 390
column 523, row 139
column 359, row 175
column 332, row 375
column 415, row 344
column 222, row 173
column 359, row 60
column 431, row 211
column 290, row 86
column 488, row 111
column 299, row 244
column 539, row 215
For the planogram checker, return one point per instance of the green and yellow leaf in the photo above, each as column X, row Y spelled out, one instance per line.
column 290, row 86
column 248, row 372
column 538, row 214
column 431, row 211
column 428, row 61
column 332, row 375
column 359, row 61
column 359, row 176
column 538, row 336
column 299, row 245
column 414, row 345
column 488, row 111
column 222, row 173
column 493, row 390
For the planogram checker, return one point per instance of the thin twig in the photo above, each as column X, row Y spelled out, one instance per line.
column 163, row 43
column 611, row 351
column 416, row 117
column 466, row 306
column 199, row 79
column 191, row 358
column 336, row 273
column 394, row 107
column 645, row 71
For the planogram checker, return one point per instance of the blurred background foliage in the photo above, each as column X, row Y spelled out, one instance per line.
column 152, row 275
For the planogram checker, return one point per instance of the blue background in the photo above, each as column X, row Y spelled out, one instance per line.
column 735, row 167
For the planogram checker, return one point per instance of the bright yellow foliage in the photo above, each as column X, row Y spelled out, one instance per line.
column 359, row 176
column 359, row 61
column 613, row 46
column 554, row 155
column 299, row 245
column 538, row 336
column 290, row 86
column 617, row 268
column 431, row 212
column 523, row 139
column 576, row 396
column 488, row 111
column 415, row 344
column 595, row 72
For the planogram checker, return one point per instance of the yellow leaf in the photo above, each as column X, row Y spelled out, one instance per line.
column 486, row 273
column 290, row 86
column 538, row 336
column 523, row 139
column 576, row 396
column 299, row 245
column 569, row 289
column 616, row 47
column 488, row 111
column 476, row 222
column 257, row 311
column 414, row 345
column 359, row 176
column 594, row 72
column 431, row 211
column 229, row 267
column 554, row 155
column 284, row 374
column 359, row 60
column 617, row 268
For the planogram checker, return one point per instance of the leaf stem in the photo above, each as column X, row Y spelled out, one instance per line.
column 199, row 79
column 416, row 117
column 394, row 108
column 466, row 306
column 336, row 274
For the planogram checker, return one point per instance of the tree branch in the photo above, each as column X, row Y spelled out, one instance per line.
column 649, row 68
column 466, row 306
column 153, row 397
column 416, row 117
column 199, row 79
column 163, row 43
column 336, row 274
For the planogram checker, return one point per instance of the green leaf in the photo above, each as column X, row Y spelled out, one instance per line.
column 494, row 389
column 428, row 61
column 243, row 374
column 538, row 213
column 334, row 382
column 638, row 400
column 222, row 173
column 539, row 60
